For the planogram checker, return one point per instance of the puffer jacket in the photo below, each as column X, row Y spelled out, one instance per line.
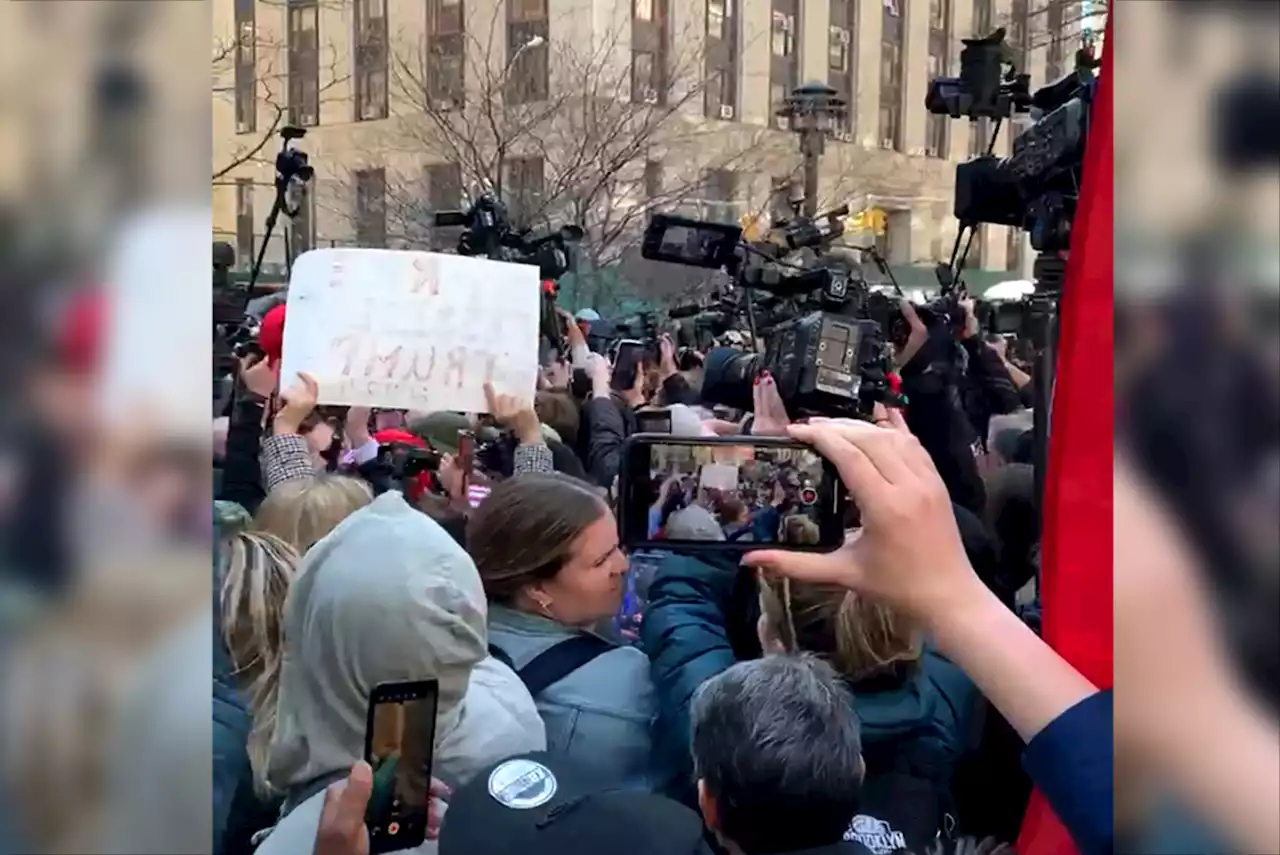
column 685, row 633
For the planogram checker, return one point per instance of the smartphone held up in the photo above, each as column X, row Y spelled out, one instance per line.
column 735, row 492
column 399, row 746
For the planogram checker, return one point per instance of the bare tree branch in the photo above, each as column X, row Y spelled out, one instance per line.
column 593, row 139
column 270, row 87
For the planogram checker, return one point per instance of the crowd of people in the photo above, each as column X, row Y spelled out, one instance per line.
column 891, row 696
column 769, row 500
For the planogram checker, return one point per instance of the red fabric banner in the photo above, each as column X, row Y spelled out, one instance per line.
column 1076, row 548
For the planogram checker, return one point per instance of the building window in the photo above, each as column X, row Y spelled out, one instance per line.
column 304, row 62
column 527, row 11
column 784, row 66
column 938, row 132
column 720, row 202
column 1020, row 34
column 446, row 54
column 371, row 208
column 527, row 71
column 652, row 180
column 645, row 87
column 1013, row 252
column 444, row 193
column 937, row 14
column 246, row 68
column 974, row 260
column 884, row 240
column 244, row 222
column 841, row 59
column 891, row 42
column 719, row 18
column 648, row 52
column 720, row 100
column 525, row 188
column 983, row 13
column 838, row 49
column 371, row 59
column 302, row 234
column 1055, row 58
column 783, row 39
column 979, row 136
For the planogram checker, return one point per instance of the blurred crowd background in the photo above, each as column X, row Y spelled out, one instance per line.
column 105, row 633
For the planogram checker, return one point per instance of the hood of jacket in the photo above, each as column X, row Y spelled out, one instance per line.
column 933, row 704
column 387, row 596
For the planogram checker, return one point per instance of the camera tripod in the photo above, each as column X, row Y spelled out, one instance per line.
column 292, row 169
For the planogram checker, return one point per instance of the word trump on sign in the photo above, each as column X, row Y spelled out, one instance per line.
column 412, row 330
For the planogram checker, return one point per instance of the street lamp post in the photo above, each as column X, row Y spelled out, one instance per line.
column 814, row 110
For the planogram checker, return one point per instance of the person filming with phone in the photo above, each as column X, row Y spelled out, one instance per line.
column 617, row 391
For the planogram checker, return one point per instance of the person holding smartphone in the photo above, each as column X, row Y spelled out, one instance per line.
column 617, row 391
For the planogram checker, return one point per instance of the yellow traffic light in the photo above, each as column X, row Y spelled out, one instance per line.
column 754, row 227
column 871, row 220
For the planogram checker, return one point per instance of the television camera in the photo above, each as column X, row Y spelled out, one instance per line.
column 1035, row 189
column 487, row 231
column 238, row 309
column 827, row 354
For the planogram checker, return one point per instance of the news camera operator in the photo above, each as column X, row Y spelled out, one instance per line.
column 989, row 387
column 610, row 414
column 932, row 376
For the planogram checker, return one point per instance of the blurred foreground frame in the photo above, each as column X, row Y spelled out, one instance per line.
column 1197, row 326
column 104, row 728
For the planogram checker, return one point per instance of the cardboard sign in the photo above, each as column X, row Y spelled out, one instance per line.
column 150, row 291
column 719, row 476
column 411, row 330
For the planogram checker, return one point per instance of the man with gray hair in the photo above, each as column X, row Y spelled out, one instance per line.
column 778, row 757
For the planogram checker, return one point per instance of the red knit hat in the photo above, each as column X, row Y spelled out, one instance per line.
column 80, row 338
column 271, row 334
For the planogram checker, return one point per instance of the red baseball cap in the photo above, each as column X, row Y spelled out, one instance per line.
column 394, row 435
column 271, row 334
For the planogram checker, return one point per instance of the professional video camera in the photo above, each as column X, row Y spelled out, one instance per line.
column 827, row 356
column 487, row 231
column 1034, row 189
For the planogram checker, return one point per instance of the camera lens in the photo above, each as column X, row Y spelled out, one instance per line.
column 727, row 377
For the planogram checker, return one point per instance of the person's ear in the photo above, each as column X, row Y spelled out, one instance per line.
column 768, row 643
column 541, row 599
column 707, row 807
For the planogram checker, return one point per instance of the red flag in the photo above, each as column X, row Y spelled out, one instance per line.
column 1076, row 548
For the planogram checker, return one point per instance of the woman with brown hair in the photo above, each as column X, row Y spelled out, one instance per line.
column 913, row 706
column 546, row 546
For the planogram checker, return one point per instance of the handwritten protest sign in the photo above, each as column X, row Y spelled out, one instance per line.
column 412, row 330
column 719, row 476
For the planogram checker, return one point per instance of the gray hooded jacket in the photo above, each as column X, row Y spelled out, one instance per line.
column 388, row 596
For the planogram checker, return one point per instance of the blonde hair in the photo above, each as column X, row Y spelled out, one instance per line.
column 798, row 529
column 858, row 637
column 302, row 512
column 258, row 569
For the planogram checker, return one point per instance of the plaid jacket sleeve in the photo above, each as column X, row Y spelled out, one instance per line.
column 533, row 458
column 284, row 458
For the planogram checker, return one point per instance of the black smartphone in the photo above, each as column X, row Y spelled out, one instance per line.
column 399, row 740
column 626, row 362
column 732, row 492
column 653, row 420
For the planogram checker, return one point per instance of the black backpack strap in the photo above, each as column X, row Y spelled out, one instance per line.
column 560, row 660
column 501, row 655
